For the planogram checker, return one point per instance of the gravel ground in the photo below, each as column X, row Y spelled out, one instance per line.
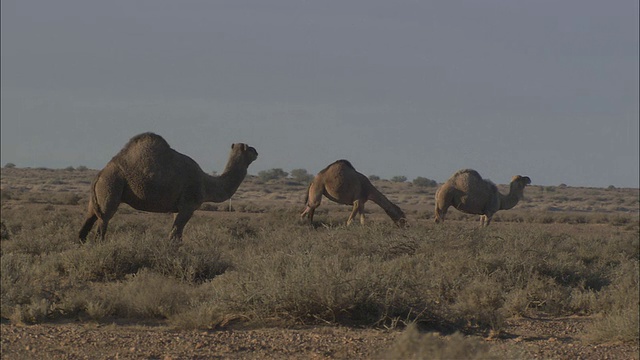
column 540, row 338
column 560, row 338
column 71, row 341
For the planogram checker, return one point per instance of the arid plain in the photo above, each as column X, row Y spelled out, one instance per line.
column 554, row 277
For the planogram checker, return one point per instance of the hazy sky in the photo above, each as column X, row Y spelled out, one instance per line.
column 547, row 89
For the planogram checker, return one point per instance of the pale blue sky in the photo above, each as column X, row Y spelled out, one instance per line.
column 547, row 89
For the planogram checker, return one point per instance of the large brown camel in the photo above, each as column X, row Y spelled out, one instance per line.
column 150, row 176
column 341, row 183
column 468, row 192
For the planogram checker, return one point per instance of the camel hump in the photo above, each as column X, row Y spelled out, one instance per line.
column 471, row 178
column 143, row 145
column 467, row 172
column 147, row 139
column 341, row 162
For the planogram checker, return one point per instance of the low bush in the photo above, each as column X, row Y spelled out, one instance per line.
column 263, row 267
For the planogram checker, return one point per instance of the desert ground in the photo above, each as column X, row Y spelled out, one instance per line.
column 556, row 277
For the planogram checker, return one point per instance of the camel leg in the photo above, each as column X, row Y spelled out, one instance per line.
column 440, row 213
column 108, row 193
column 312, row 210
column 179, row 221
column 358, row 208
column 314, row 198
column 88, row 223
column 308, row 212
column 101, row 231
column 109, row 210
column 353, row 212
column 86, row 228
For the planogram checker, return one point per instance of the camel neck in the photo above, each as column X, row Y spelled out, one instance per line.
column 510, row 200
column 221, row 188
column 392, row 210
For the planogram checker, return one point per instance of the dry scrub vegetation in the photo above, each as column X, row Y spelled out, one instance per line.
column 561, row 252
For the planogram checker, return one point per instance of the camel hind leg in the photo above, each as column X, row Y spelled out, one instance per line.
column 88, row 224
column 443, row 201
column 108, row 195
column 314, row 197
column 440, row 213
column 308, row 212
column 103, row 221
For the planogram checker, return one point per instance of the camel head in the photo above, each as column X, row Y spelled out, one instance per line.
column 243, row 153
column 524, row 180
column 401, row 223
column 397, row 215
column 519, row 182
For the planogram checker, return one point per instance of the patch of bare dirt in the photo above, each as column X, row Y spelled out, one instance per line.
column 87, row 341
column 533, row 338
column 559, row 338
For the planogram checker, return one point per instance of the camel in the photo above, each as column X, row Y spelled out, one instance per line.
column 150, row 176
column 468, row 192
column 341, row 183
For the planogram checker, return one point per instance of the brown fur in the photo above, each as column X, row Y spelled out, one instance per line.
column 150, row 176
column 468, row 192
column 341, row 183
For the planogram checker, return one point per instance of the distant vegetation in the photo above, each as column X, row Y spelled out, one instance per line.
column 422, row 181
column 272, row 174
column 301, row 175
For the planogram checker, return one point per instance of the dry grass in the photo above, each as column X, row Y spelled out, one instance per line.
column 415, row 345
column 563, row 251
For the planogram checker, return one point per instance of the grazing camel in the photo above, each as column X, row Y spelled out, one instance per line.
column 150, row 176
column 341, row 183
column 468, row 192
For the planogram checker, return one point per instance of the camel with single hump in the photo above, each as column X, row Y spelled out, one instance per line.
column 468, row 192
column 149, row 175
column 341, row 183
